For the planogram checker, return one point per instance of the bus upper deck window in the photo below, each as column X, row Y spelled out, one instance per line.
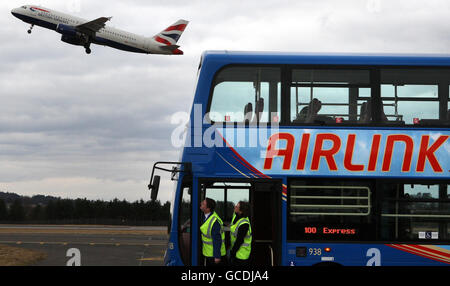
column 414, row 96
column 330, row 96
column 246, row 94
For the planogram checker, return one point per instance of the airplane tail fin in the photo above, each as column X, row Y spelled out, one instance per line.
column 170, row 36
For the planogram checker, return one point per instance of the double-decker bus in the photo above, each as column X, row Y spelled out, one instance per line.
column 344, row 158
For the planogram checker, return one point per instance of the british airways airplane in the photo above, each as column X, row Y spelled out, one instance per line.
column 80, row 32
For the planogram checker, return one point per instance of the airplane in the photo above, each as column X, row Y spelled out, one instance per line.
column 80, row 32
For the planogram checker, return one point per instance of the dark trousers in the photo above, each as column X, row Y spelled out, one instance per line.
column 238, row 262
column 210, row 261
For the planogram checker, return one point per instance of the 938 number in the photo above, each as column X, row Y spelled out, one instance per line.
column 315, row 251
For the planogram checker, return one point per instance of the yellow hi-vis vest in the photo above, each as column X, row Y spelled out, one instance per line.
column 246, row 247
column 207, row 241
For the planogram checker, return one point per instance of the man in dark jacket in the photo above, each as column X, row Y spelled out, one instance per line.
column 212, row 234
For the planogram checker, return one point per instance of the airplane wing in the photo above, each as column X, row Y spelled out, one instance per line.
column 94, row 26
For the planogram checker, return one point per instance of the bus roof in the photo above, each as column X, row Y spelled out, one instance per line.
column 221, row 58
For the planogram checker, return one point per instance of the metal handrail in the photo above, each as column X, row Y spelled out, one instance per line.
column 366, row 208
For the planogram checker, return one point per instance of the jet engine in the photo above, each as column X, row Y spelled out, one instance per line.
column 66, row 30
column 73, row 40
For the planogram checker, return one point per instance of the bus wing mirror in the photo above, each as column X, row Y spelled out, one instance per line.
column 154, row 187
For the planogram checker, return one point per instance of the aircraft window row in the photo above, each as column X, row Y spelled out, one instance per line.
column 59, row 18
column 119, row 35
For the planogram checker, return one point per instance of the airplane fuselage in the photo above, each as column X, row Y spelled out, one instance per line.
column 106, row 36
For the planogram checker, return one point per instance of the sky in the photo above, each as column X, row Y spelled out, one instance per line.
column 91, row 126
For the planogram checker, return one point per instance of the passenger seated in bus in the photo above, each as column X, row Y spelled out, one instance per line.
column 301, row 116
column 259, row 108
column 308, row 113
column 366, row 113
column 248, row 113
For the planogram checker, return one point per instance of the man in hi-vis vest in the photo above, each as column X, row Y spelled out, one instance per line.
column 212, row 233
column 240, row 235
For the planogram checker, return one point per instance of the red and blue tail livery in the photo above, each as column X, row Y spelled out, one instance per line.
column 170, row 36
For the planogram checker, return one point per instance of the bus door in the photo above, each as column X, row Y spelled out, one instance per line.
column 265, row 215
column 266, row 223
column 184, row 220
column 226, row 193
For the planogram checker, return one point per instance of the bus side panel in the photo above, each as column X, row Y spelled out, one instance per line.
column 367, row 254
column 284, row 246
column 195, row 222
column 172, row 256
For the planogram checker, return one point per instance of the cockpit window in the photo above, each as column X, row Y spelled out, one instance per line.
column 24, row 7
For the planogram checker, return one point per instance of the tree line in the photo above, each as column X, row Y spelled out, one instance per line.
column 57, row 210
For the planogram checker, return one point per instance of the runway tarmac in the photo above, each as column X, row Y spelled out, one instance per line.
column 97, row 245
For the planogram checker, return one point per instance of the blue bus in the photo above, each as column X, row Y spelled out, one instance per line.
column 344, row 158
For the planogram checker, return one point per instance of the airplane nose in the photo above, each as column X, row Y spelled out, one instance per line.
column 14, row 12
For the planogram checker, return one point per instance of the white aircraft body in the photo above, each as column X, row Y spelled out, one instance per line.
column 80, row 32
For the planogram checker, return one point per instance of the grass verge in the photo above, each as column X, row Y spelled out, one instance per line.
column 16, row 256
